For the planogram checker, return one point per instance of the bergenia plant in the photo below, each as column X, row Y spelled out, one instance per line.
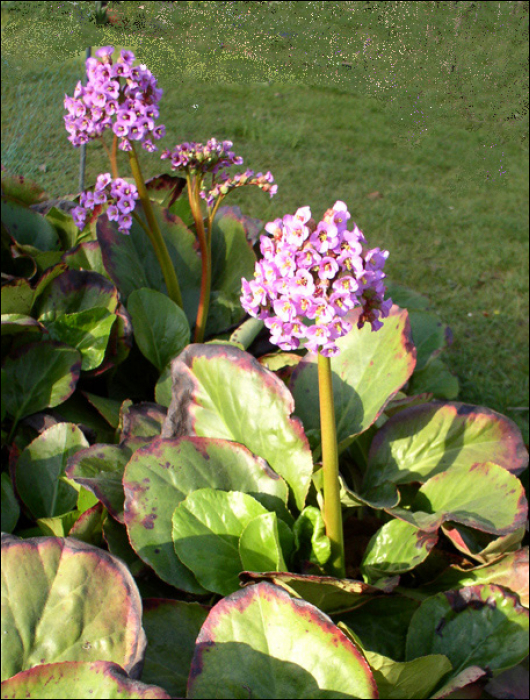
column 125, row 98
column 311, row 275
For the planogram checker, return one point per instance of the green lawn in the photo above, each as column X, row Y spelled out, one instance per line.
column 424, row 103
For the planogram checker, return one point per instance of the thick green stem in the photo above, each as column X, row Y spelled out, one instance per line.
column 206, row 260
column 330, row 464
column 155, row 235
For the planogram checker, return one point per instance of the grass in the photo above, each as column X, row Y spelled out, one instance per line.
column 421, row 102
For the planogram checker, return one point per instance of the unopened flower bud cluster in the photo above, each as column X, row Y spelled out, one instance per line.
column 199, row 159
column 119, row 194
column 129, row 108
column 316, row 272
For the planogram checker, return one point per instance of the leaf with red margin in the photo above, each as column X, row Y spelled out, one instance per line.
column 99, row 468
column 395, row 548
column 481, row 546
column 484, row 626
column 171, row 627
column 77, row 679
column 421, row 441
column 510, row 571
column 221, row 391
column 39, row 375
column 311, row 656
column 484, row 497
column 367, row 374
column 74, row 291
column 64, row 599
column 252, row 227
column 331, row 595
column 162, row 474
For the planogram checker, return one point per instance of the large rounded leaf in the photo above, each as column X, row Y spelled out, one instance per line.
column 395, row 548
column 159, row 476
column 482, row 626
column 171, row 627
column 39, row 375
column 369, row 371
column 207, row 527
column 161, row 328
column 64, row 600
column 76, row 679
column 485, row 497
column 260, row 643
column 27, row 227
column 74, row 291
column 132, row 264
column 421, row 441
column 42, row 464
column 221, row 391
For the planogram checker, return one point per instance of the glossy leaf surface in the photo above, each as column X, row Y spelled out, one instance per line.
column 207, row 527
column 312, row 658
column 65, row 600
column 223, row 392
column 367, row 373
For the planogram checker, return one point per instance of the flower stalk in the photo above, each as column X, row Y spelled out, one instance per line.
column 155, row 236
column 330, row 465
column 206, row 258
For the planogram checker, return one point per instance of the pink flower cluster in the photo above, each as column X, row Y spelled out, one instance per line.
column 197, row 158
column 317, row 273
column 122, row 201
column 130, row 109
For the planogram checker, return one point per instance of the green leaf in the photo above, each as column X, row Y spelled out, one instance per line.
column 247, row 332
column 171, row 627
column 509, row 571
column 421, row 441
column 331, row 595
column 429, row 336
column 88, row 331
column 223, row 392
column 369, row 371
column 21, row 190
column 13, row 324
column 482, row 626
column 132, row 264
column 207, row 526
column 232, row 259
column 74, row 291
column 481, row 546
column 312, row 543
column 264, row 542
column 28, row 227
column 161, row 328
column 163, row 387
column 100, row 468
column 40, row 466
column 39, row 375
column 407, row 680
column 108, row 408
column 17, row 297
column 58, row 526
column 312, row 658
column 48, row 583
column 10, row 507
column 85, row 256
column 175, row 468
column 382, row 624
column 435, row 378
column 64, row 225
column 485, row 497
column 405, row 297
column 99, row 680
column 395, row 548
